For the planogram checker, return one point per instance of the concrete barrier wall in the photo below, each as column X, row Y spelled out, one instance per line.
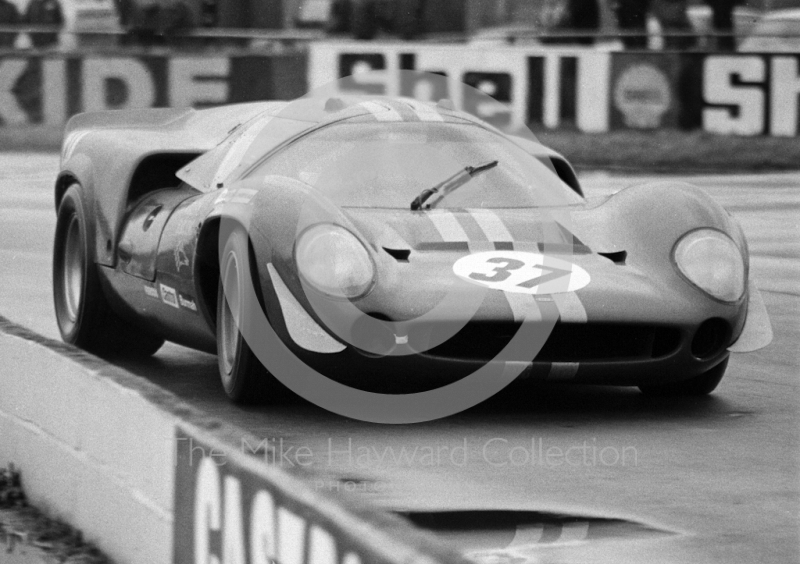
column 93, row 450
column 151, row 480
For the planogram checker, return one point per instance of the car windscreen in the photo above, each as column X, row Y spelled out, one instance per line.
column 387, row 165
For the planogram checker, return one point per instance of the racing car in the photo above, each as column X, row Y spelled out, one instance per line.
column 391, row 245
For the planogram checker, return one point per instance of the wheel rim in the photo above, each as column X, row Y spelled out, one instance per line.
column 229, row 341
column 72, row 274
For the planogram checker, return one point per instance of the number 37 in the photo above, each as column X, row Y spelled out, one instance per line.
column 505, row 266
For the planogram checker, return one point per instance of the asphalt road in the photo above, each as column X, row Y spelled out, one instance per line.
column 721, row 473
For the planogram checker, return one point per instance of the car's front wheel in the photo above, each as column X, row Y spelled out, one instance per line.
column 243, row 376
column 701, row 385
column 84, row 317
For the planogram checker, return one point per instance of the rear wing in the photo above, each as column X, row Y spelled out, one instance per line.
column 123, row 119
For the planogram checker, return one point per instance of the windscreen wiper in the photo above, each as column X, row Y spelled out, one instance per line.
column 446, row 186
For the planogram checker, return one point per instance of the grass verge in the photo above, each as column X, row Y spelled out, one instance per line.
column 674, row 151
column 22, row 523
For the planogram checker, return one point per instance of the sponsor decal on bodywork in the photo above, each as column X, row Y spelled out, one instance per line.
column 169, row 296
column 520, row 272
column 515, row 266
column 181, row 258
column 151, row 291
column 187, row 302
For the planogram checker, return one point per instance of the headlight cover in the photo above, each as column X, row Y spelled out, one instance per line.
column 710, row 260
column 334, row 261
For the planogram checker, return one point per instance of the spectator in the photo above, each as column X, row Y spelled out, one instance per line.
column 44, row 12
column 722, row 18
column 580, row 16
column 175, row 17
column 209, row 13
column 125, row 9
column 143, row 23
column 156, row 22
column 340, row 14
column 675, row 24
column 583, row 16
column 8, row 16
column 632, row 20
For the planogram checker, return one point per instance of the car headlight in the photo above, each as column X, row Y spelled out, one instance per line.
column 710, row 260
column 334, row 261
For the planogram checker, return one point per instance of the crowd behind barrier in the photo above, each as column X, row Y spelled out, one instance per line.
column 155, row 21
column 53, row 37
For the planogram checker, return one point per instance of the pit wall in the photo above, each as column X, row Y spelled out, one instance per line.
column 587, row 89
column 150, row 480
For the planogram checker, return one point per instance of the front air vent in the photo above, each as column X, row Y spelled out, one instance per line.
column 400, row 255
column 710, row 338
column 618, row 257
column 567, row 342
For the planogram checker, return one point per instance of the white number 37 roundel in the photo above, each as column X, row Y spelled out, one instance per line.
column 525, row 273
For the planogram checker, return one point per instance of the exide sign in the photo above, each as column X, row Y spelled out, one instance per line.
column 49, row 89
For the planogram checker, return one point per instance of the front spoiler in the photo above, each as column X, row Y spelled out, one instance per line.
column 316, row 347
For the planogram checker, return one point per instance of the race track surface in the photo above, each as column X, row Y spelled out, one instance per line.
column 722, row 473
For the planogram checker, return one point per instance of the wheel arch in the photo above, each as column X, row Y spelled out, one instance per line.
column 63, row 182
column 207, row 267
column 77, row 170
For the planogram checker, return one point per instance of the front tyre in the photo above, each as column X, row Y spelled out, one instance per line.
column 244, row 378
column 701, row 385
column 84, row 317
